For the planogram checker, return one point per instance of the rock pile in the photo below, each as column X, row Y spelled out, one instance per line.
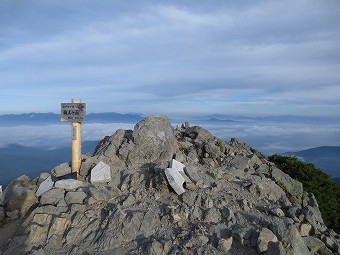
column 232, row 201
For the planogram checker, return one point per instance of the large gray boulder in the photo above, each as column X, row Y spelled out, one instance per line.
column 21, row 199
column 152, row 141
column 155, row 141
column 19, row 195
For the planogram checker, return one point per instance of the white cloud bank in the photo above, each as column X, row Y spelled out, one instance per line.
column 268, row 138
column 55, row 136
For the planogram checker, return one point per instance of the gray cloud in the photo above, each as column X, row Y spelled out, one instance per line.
column 171, row 56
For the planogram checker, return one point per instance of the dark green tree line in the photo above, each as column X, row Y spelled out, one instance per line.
column 326, row 191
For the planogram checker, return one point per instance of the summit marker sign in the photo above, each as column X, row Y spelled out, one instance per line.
column 73, row 112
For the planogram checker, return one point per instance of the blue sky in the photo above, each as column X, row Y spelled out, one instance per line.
column 171, row 57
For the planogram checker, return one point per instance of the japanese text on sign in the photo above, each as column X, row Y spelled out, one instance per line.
column 73, row 112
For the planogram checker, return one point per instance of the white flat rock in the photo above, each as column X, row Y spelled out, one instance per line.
column 177, row 165
column 46, row 185
column 101, row 173
column 180, row 168
column 175, row 180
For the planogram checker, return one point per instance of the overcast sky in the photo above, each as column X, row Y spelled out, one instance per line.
column 171, row 57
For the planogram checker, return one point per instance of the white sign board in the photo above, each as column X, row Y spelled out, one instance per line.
column 73, row 112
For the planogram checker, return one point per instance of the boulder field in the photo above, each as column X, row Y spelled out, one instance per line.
column 127, row 200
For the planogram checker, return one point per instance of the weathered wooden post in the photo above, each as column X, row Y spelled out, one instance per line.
column 74, row 112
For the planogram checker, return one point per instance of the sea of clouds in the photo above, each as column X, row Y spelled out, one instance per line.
column 267, row 137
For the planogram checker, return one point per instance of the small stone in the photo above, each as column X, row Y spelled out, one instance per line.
column 62, row 169
column 325, row 251
column 304, row 229
column 37, row 251
column 199, row 240
column 331, row 243
column 192, row 174
column 13, row 214
column 227, row 214
column 212, row 215
column 241, row 235
column 100, row 193
column 189, row 198
column 75, row 197
column 52, row 197
column 313, row 244
column 42, row 177
column 155, row 248
column 87, row 165
column 224, row 245
column 191, row 186
column 2, row 214
column 276, row 211
column 68, row 184
column 266, row 236
column 208, row 203
column 245, row 205
column 130, row 200
column 276, row 248
column 101, row 173
column 46, row 185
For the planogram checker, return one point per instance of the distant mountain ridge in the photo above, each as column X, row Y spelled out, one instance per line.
column 107, row 117
column 278, row 118
column 324, row 157
column 53, row 118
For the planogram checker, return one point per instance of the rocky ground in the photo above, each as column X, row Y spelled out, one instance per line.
column 235, row 201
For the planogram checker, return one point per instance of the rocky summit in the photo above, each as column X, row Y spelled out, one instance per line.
column 160, row 190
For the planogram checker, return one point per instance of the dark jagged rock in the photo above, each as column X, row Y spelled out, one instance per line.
column 235, row 202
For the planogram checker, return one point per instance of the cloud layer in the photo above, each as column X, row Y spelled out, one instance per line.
column 174, row 57
column 268, row 138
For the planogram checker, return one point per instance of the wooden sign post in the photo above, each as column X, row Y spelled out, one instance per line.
column 74, row 112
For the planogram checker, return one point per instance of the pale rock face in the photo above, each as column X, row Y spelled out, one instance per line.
column 304, row 229
column 46, row 185
column 175, row 179
column 224, row 245
column 293, row 187
column 266, row 236
column 101, row 173
column 313, row 244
